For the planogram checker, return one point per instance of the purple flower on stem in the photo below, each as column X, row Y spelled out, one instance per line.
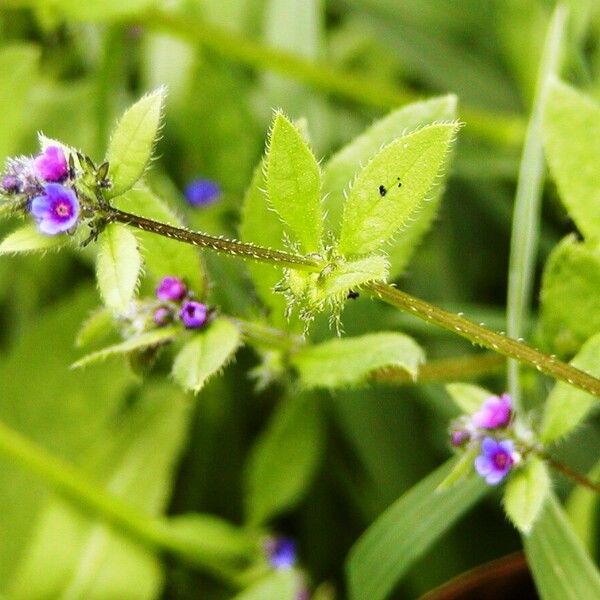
column 10, row 183
column 162, row 315
column 495, row 412
column 170, row 288
column 281, row 552
column 459, row 437
column 202, row 192
column 56, row 210
column 51, row 165
column 496, row 459
column 193, row 314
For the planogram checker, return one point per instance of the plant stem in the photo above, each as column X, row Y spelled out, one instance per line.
column 219, row 244
column 264, row 335
column 446, row 369
column 525, row 230
column 504, row 129
column 73, row 485
column 578, row 478
column 485, row 337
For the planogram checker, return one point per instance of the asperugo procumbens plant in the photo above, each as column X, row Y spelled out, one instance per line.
column 315, row 237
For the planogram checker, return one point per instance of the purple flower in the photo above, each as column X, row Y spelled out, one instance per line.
column 56, row 210
column 496, row 459
column 162, row 315
column 202, row 192
column 281, row 552
column 170, row 288
column 193, row 314
column 10, row 183
column 495, row 412
column 51, row 165
column 459, row 437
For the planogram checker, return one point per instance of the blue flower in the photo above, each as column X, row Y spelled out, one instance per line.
column 56, row 210
column 202, row 192
column 496, row 459
column 193, row 314
column 281, row 552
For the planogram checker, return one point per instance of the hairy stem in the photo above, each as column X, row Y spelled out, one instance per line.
column 445, row 369
column 73, row 485
column 498, row 128
column 485, row 337
column 219, row 244
column 575, row 476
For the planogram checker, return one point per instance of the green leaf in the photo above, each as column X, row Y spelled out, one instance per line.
column 96, row 328
column 567, row 406
column 342, row 168
column 572, row 273
column 132, row 142
column 392, row 544
column 390, row 190
column 468, row 397
column 284, row 459
column 582, row 510
column 212, row 538
column 206, row 354
column 526, row 491
column 462, row 468
column 560, row 566
column 572, row 144
column 135, row 460
column 107, row 10
column 294, row 183
column 18, row 74
column 350, row 361
column 163, row 256
column 149, row 339
column 282, row 585
column 261, row 225
column 118, row 267
column 29, row 239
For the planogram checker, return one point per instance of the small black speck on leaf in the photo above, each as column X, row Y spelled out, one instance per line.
column 382, row 190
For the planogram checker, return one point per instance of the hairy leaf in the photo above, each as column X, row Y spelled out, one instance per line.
column 390, row 190
column 96, row 328
column 572, row 143
column 118, row 267
column 385, row 552
column 132, row 142
column 526, row 491
column 29, row 239
column 560, row 566
column 350, row 361
column 294, row 183
column 468, row 397
column 567, row 406
column 206, row 354
column 284, row 459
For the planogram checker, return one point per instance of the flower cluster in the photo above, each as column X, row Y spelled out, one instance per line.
column 177, row 302
column 46, row 183
column 202, row 192
column 491, row 432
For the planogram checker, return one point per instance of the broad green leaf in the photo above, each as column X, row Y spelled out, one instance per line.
column 572, row 144
column 582, row 509
column 96, row 328
column 18, row 74
column 570, row 296
column 132, row 142
column 163, row 256
column 284, row 459
column 282, row 585
column 135, row 460
column 206, row 354
column 526, row 491
column 405, row 531
column 567, row 406
column 462, row 468
column 342, row 168
column 350, row 361
column 390, row 190
column 149, row 339
column 29, row 239
column 468, row 397
column 294, row 183
column 261, row 225
column 58, row 409
column 212, row 538
column 118, row 267
column 560, row 566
